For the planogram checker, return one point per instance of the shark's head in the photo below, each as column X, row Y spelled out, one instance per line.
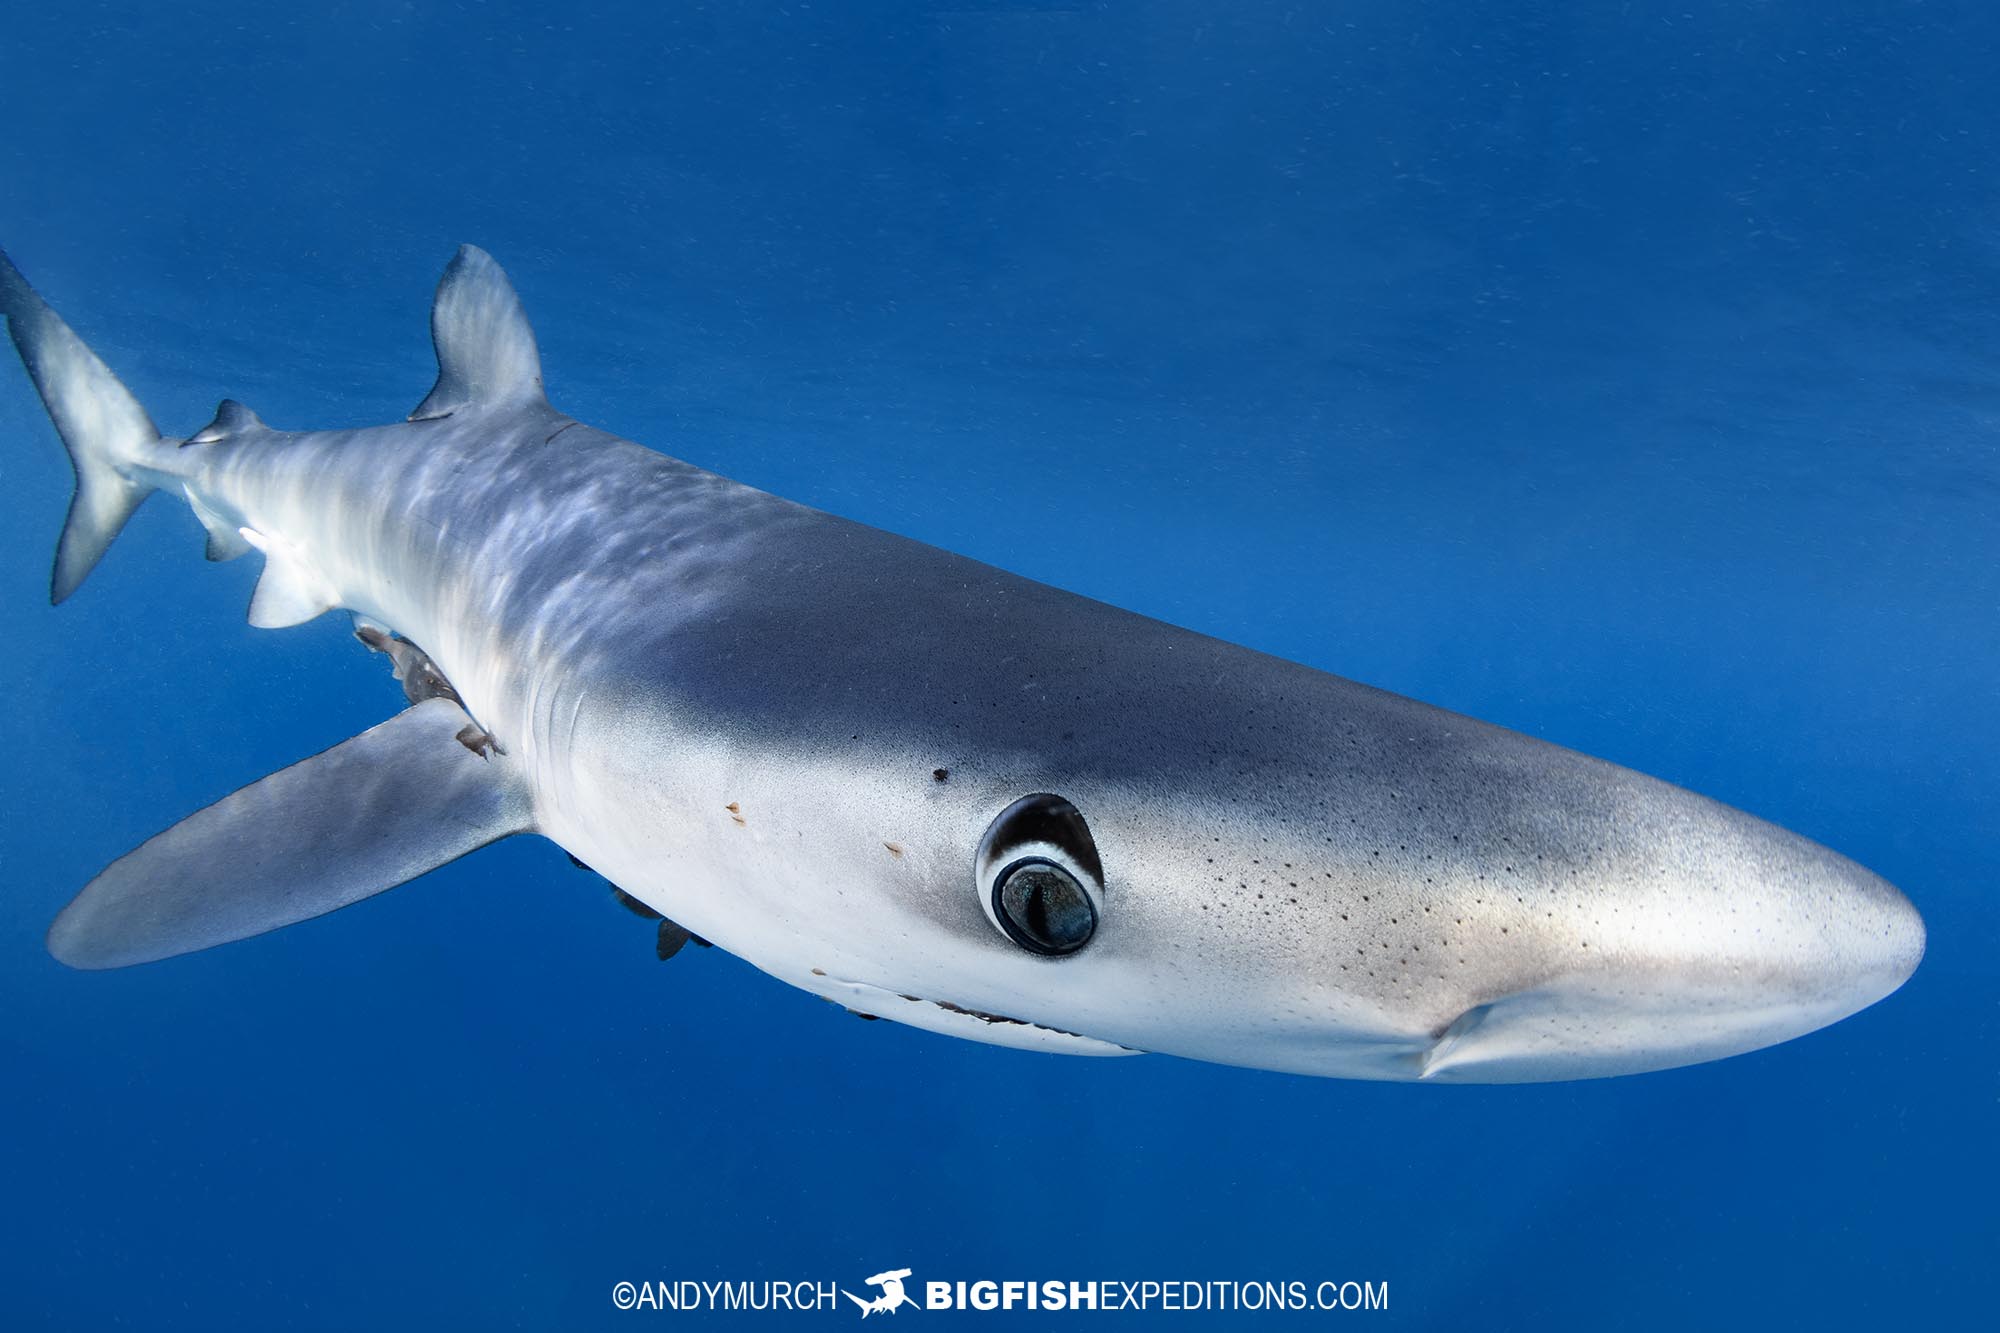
column 1068, row 827
column 1512, row 913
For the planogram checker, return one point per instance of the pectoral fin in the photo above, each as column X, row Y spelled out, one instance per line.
column 392, row 803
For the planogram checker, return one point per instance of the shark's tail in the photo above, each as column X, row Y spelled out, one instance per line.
column 110, row 437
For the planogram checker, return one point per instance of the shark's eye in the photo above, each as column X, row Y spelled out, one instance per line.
column 1039, row 876
column 1042, row 907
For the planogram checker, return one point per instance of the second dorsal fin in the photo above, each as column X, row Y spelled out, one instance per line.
column 485, row 349
column 231, row 419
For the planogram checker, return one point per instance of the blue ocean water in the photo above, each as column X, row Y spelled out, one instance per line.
column 1628, row 375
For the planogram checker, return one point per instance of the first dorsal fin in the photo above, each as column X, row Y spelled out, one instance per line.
column 485, row 349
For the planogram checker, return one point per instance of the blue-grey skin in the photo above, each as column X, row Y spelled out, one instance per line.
column 789, row 733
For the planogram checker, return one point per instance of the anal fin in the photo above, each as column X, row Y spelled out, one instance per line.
column 375, row 811
column 225, row 544
column 225, row 540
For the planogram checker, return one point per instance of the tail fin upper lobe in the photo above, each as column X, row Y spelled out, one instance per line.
column 108, row 433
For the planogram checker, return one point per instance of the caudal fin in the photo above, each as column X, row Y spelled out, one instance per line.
column 108, row 434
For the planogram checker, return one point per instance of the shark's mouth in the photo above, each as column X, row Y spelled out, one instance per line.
column 955, row 1020
column 949, row 1007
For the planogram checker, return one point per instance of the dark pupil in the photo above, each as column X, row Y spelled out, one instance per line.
column 1044, row 907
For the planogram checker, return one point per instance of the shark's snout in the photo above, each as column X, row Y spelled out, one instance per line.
column 1502, row 911
column 1753, row 937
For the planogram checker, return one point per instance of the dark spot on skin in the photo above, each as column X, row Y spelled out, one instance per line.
column 866, row 1018
column 577, row 861
column 895, row 849
column 940, row 774
column 819, row 972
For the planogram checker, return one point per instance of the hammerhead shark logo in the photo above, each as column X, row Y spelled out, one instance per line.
column 892, row 1295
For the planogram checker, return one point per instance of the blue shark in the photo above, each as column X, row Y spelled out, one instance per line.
column 916, row 785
